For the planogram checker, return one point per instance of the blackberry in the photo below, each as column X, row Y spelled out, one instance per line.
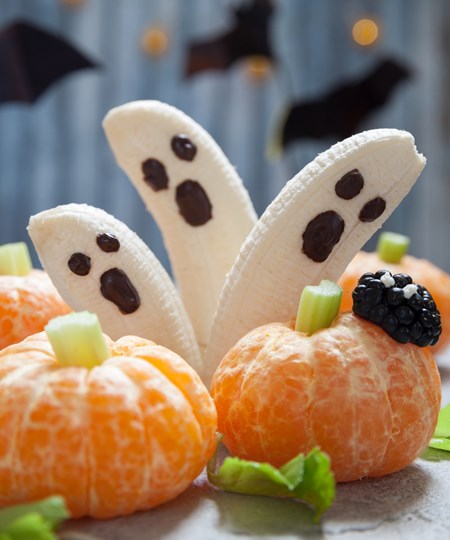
column 378, row 313
column 402, row 334
column 405, row 315
column 404, row 310
column 416, row 329
column 401, row 280
column 416, row 302
column 394, row 296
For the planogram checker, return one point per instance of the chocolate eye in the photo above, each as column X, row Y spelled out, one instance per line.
column 193, row 203
column 155, row 174
column 321, row 235
column 183, row 147
column 79, row 264
column 107, row 242
column 350, row 185
column 372, row 210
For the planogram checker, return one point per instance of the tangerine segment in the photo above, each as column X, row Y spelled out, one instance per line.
column 253, row 414
column 27, row 303
column 351, row 415
column 413, row 387
column 49, row 454
column 169, row 448
column 18, row 375
column 366, row 400
column 17, row 391
column 422, row 271
column 117, row 450
column 118, row 438
column 176, row 370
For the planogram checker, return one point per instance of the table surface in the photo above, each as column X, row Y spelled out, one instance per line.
column 411, row 504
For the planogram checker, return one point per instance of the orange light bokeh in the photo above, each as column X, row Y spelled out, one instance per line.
column 154, row 41
column 365, row 32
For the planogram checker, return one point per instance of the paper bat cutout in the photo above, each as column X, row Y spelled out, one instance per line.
column 249, row 36
column 340, row 113
column 32, row 59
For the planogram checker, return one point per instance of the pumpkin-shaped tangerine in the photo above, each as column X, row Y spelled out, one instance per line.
column 421, row 270
column 126, row 435
column 368, row 401
column 28, row 298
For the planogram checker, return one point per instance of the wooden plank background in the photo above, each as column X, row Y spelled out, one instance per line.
column 54, row 151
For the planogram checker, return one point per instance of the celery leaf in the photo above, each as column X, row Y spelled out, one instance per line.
column 308, row 479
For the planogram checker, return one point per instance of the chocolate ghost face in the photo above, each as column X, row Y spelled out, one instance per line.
column 98, row 264
column 192, row 191
column 114, row 284
column 331, row 208
column 191, row 198
column 324, row 231
column 312, row 230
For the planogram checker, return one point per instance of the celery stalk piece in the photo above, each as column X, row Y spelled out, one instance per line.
column 77, row 339
column 15, row 259
column 319, row 306
column 392, row 246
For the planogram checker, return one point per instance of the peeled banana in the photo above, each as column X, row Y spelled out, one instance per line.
column 194, row 194
column 312, row 230
column 98, row 264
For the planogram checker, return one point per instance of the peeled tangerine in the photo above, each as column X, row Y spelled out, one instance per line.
column 28, row 299
column 368, row 401
column 27, row 303
column 126, row 435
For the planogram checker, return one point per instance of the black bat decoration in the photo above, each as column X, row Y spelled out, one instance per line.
column 32, row 59
column 340, row 113
column 249, row 36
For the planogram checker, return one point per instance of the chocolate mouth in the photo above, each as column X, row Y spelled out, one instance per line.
column 116, row 287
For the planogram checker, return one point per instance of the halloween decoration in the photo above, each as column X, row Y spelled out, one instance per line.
column 248, row 37
column 112, row 432
column 99, row 265
column 32, row 59
column 233, row 277
column 342, row 111
column 312, row 230
column 321, row 389
column 193, row 192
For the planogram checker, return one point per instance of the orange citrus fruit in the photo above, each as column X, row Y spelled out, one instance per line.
column 124, row 436
column 368, row 401
column 421, row 270
column 27, row 303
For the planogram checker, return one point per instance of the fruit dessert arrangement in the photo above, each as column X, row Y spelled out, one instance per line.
column 113, row 426
column 320, row 381
column 235, row 277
